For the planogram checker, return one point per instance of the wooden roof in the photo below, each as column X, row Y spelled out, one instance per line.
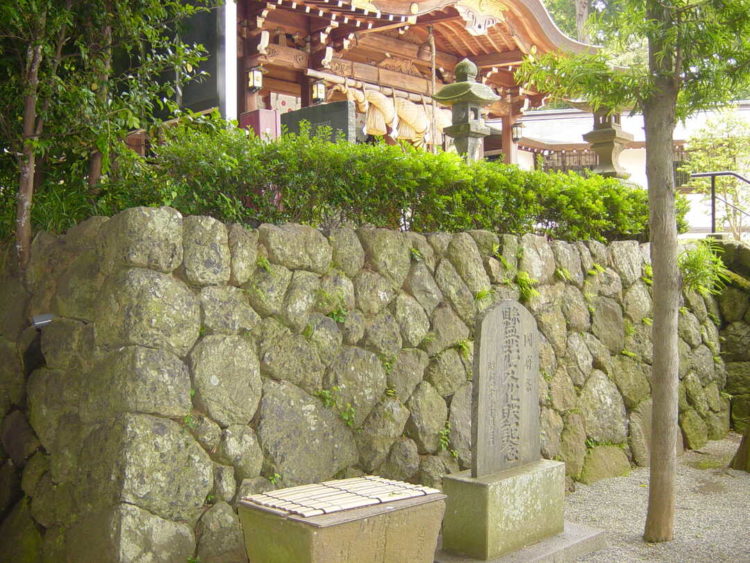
column 385, row 42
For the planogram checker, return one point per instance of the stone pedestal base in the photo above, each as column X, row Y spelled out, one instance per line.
column 489, row 516
column 399, row 531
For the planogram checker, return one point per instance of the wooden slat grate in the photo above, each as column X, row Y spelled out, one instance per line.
column 335, row 496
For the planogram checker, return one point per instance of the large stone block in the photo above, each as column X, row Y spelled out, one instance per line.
column 607, row 324
column 422, row 286
column 348, row 254
column 463, row 253
column 207, row 258
column 537, row 258
column 360, row 379
column 603, row 409
column 380, row 430
column 239, row 448
column 147, row 308
column 226, row 376
column 220, row 536
column 297, row 247
column 151, row 462
column 373, row 292
column 243, row 249
column 411, row 318
column 20, row 540
column 136, row 379
column 427, row 419
column 304, row 441
column 455, row 291
column 407, row 372
column 626, row 259
column 144, row 237
column 294, row 359
column 387, row 252
column 603, row 462
column 128, row 534
column 489, row 516
column 68, row 344
column 226, row 310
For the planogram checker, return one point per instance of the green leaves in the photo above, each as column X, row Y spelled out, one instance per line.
column 208, row 167
column 702, row 268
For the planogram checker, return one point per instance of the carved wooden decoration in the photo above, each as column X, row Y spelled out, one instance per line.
column 480, row 15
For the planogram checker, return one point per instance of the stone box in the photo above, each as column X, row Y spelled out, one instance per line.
column 491, row 515
column 400, row 531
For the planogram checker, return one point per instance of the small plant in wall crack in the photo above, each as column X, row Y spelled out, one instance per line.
column 263, row 263
column 416, row 254
column 526, row 287
column 563, row 274
column 387, row 362
column 595, row 269
column 463, row 347
column 483, row 294
column 190, row 421
column 334, row 304
column 332, row 400
column 444, row 440
column 274, row 479
column 648, row 274
column 348, row 414
column 702, row 268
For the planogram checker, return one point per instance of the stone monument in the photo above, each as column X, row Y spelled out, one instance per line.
column 512, row 497
column 340, row 117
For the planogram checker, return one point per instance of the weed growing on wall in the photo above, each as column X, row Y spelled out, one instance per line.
column 702, row 268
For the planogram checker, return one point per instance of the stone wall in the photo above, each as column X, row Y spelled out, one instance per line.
column 735, row 332
column 190, row 362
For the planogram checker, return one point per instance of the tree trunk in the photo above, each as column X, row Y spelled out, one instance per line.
column 659, row 121
column 97, row 158
column 582, row 14
column 28, row 158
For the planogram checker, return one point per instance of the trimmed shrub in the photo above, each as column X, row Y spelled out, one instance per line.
column 205, row 167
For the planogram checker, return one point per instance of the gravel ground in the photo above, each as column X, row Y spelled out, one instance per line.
column 712, row 517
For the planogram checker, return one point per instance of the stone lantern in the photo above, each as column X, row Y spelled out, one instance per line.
column 608, row 140
column 466, row 97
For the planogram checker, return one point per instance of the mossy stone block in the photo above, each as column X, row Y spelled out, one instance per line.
column 492, row 515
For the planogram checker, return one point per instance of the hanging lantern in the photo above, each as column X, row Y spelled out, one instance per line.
column 254, row 79
column 318, row 91
column 517, row 131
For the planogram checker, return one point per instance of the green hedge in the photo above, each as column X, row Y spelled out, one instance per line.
column 205, row 167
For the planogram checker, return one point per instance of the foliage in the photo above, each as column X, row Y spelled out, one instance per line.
column 723, row 144
column 526, row 286
column 710, row 42
column 702, row 268
column 205, row 166
column 75, row 77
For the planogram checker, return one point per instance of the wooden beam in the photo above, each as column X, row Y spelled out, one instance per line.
column 279, row 56
column 282, row 86
column 366, row 85
column 385, row 44
column 507, row 58
column 381, row 76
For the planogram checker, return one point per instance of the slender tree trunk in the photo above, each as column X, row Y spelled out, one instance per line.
column 28, row 157
column 582, row 14
column 97, row 158
column 659, row 121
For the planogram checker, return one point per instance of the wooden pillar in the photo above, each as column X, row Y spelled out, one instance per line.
column 510, row 149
